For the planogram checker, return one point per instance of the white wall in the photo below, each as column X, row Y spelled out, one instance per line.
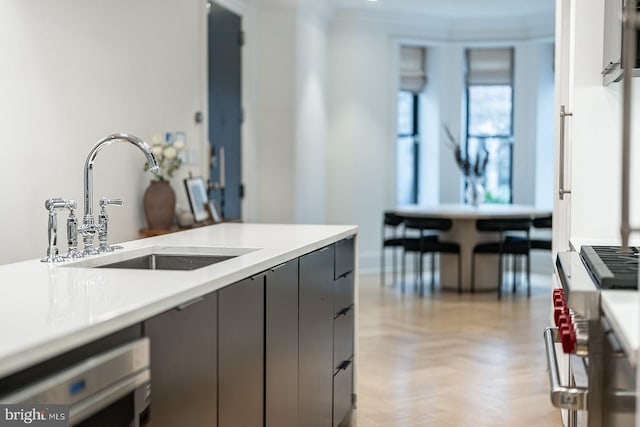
column 276, row 112
column 75, row 71
column 286, row 103
column 311, row 125
column 360, row 126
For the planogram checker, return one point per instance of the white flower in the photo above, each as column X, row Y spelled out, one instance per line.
column 157, row 151
column 170, row 152
column 166, row 154
column 179, row 145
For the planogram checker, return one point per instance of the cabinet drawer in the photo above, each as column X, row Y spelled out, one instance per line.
column 342, row 293
column 344, row 256
column 342, row 392
column 343, row 338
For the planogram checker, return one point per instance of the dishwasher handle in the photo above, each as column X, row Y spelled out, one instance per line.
column 563, row 397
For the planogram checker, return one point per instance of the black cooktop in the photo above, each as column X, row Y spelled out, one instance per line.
column 612, row 268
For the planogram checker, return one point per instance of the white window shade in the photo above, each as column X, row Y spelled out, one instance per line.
column 489, row 66
column 413, row 76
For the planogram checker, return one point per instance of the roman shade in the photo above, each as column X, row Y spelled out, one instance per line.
column 413, row 76
column 490, row 66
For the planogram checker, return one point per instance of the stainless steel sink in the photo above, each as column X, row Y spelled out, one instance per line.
column 180, row 258
column 168, row 262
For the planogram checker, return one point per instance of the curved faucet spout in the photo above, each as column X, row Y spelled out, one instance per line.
column 91, row 157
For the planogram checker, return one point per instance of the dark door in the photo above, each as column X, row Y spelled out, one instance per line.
column 225, row 109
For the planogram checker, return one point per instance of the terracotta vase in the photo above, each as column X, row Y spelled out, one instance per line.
column 159, row 205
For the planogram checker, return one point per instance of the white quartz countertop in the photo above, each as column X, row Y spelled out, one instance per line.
column 46, row 309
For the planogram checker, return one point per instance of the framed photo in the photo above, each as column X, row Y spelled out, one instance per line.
column 198, row 199
column 214, row 211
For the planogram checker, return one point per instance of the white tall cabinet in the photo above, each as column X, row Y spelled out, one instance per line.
column 592, row 136
column 589, row 204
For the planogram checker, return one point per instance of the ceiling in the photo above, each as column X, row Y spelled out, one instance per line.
column 456, row 8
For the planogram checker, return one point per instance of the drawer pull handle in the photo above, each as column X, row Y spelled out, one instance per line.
column 344, row 365
column 345, row 310
column 189, row 303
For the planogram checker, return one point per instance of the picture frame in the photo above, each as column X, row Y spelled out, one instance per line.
column 214, row 211
column 198, row 199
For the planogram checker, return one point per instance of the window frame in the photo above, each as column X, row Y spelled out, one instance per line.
column 507, row 137
column 415, row 135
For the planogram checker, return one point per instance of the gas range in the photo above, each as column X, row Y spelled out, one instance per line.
column 594, row 354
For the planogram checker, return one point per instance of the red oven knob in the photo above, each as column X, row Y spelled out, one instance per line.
column 557, row 312
column 560, row 311
column 564, row 320
column 568, row 339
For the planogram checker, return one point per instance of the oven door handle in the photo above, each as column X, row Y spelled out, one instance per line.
column 563, row 397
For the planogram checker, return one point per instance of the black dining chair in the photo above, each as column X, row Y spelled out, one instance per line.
column 428, row 241
column 505, row 245
column 542, row 222
column 391, row 239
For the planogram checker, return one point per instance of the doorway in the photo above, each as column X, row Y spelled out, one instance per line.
column 225, row 39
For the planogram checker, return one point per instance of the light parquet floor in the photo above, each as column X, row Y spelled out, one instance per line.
column 450, row 360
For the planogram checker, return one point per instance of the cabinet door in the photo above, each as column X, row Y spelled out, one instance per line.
column 241, row 354
column 342, row 392
column 316, row 338
column 564, row 78
column 183, row 365
column 345, row 255
column 281, row 346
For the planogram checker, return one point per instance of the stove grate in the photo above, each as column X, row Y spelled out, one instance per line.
column 611, row 267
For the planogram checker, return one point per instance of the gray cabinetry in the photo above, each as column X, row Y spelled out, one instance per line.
column 316, row 315
column 343, row 323
column 281, row 346
column 183, row 364
column 241, row 354
column 343, row 336
column 326, row 315
column 273, row 350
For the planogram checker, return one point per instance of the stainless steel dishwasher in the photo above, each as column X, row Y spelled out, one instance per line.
column 108, row 389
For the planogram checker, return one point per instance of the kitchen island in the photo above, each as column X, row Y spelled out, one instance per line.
column 49, row 310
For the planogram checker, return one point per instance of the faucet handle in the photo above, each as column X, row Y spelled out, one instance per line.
column 103, row 224
column 104, row 202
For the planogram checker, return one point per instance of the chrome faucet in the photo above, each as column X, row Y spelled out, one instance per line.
column 89, row 227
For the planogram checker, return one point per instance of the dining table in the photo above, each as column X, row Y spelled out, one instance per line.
column 463, row 231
